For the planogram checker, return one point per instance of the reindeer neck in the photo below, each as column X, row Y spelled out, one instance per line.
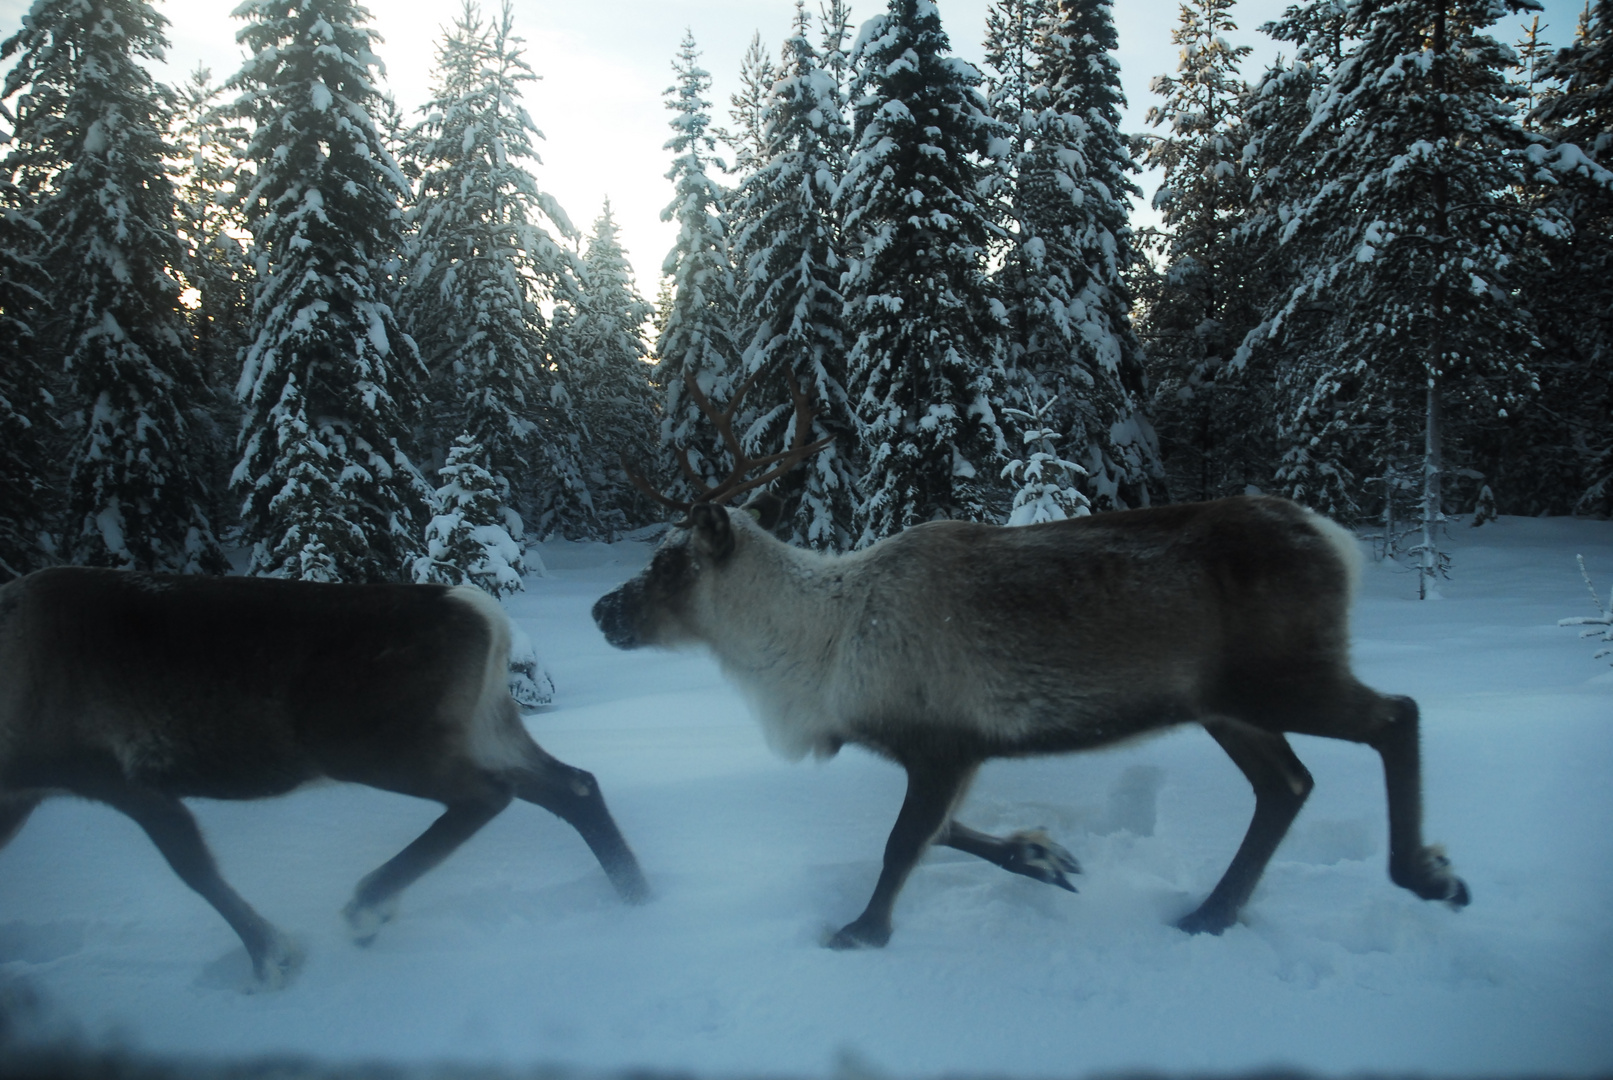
column 782, row 602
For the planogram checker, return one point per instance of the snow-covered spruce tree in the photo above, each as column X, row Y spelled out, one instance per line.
column 756, row 76
column 471, row 541
column 1313, row 439
column 1197, row 310
column 27, row 501
column 698, row 337
column 216, row 269
column 924, row 325
column 1415, row 242
column 1070, row 344
column 91, row 151
column 1567, row 442
column 1011, row 31
column 483, row 260
column 834, row 35
column 210, row 147
column 834, row 60
column 397, row 135
column 330, row 380
column 1049, row 487
column 612, row 398
column 790, row 281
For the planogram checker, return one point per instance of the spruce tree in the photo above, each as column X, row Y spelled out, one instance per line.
column 834, row 56
column 1012, row 28
column 470, row 540
column 612, row 396
column 216, row 268
column 1071, row 346
column 26, row 499
column 1568, row 439
column 484, row 259
column 924, row 325
column 90, row 153
column 330, row 380
column 1314, row 464
column 834, row 60
column 1049, row 485
column 1197, row 311
column 791, row 267
column 698, row 337
column 1415, row 246
column 757, row 74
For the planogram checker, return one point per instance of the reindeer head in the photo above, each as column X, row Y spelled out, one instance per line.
column 659, row 606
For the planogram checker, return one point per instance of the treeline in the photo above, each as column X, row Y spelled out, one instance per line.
column 260, row 315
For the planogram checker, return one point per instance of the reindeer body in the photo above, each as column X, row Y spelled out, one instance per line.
column 952, row 643
column 140, row 689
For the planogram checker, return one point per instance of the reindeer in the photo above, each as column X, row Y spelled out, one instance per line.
column 138, row 690
column 954, row 642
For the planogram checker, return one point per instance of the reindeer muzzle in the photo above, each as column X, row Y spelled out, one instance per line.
column 615, row 615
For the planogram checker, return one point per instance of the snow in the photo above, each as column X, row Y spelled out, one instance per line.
column 516, row 950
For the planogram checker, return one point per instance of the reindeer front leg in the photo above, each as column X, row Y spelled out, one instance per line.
column 932, row 789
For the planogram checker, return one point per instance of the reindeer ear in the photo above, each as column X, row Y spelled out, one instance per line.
column 767, row 508
column 713, row 534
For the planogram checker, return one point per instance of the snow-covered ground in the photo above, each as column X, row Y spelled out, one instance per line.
column 517, row 951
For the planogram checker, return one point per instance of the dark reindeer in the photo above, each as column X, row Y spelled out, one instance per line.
column 137, row 690
column 953, row 643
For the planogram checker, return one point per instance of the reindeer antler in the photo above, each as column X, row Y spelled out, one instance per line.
column 723, row 421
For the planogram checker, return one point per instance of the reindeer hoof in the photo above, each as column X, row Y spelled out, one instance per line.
column 1429, row 876
column 364, row 921
column 1034, row 854
column 631, row 885
column 860, row 935
column 278, row 963
column 1206, row 921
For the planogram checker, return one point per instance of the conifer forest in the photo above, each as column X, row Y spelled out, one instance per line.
column 277, row 324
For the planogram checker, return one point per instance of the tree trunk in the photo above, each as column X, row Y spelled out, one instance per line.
column 1428, row 568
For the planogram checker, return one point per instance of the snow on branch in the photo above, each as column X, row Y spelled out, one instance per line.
column 1604, row 621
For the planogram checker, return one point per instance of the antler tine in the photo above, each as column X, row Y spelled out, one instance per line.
column 725, row 491
column 723, row 420
column 789, row 459
column 637, row 479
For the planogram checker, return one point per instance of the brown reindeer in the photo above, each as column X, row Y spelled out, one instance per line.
column 138, row 690
column 954, row 642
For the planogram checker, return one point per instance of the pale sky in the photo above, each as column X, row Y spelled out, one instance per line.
column 605, row 63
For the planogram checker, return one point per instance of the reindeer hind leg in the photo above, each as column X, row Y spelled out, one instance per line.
column 1413, row 865
column 1030, row 852
column 1344, row 708
column 171, row 826
column 573, row 795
